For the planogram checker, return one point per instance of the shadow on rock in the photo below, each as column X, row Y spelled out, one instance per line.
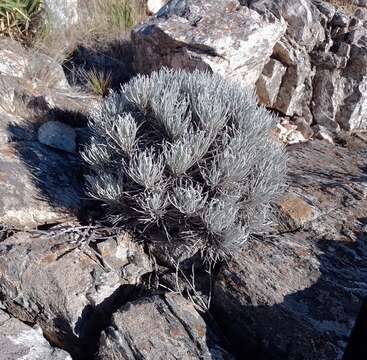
column 357, row 348
column 296, row 294
column 292, row 297
column 114, row 58
column 40, row 184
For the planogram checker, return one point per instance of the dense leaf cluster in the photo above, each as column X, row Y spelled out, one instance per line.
column 190, row 154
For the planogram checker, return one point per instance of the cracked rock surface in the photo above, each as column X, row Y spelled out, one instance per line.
column 319, row 51
column 160, row 327
column 297, row 292
column 51, row 281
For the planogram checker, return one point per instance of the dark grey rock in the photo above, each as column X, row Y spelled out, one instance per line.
column 325, row 8
column 166, row 327
column 361, row 3
column 57, row 135
column 47, row 279
column 14, row 128
column 340, row 19
column 297, row 293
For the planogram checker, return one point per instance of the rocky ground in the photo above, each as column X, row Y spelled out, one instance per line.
column 72, row 287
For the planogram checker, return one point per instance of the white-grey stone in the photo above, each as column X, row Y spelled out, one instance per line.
column 361, row 14
column 326, row 98
column 237, row 46
column 19, row 341
column 30, row 65
column 302, row 18
column 63, row 13
column 269, row 82
column 154, row 6
column 13, row 58
column 322, row 133
column 295, row 90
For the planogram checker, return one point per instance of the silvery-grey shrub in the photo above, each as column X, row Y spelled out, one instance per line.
column 190, row 154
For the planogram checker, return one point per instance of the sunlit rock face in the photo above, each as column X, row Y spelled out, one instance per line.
column 220, row 36
column 155, row 5
column 305, row 58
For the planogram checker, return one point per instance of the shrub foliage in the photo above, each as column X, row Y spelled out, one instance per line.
column 187, row 153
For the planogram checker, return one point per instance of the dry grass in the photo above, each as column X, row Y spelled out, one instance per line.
column 347, row 5
column 20, row 19
column 108, row 17
column 100, row 21
column 98, row 82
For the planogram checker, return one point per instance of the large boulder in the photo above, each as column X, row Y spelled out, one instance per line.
column 38, row 185
column 324, row 51
column 19, row 342
column 296, row 293
column 166, row 327
column 304, row 32
column 317, row 65
column 220, row 35
column 56, row 280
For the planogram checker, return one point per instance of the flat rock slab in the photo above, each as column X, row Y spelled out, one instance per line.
column 296, row 294
column 37, row 185
column 20, row 342
column 166, row 327
column 47, row 279
column 322, row 179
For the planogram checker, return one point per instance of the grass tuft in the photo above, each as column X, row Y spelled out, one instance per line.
column 19, row 19
column 99, row 82
column 100, row 22
column 106, row 18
